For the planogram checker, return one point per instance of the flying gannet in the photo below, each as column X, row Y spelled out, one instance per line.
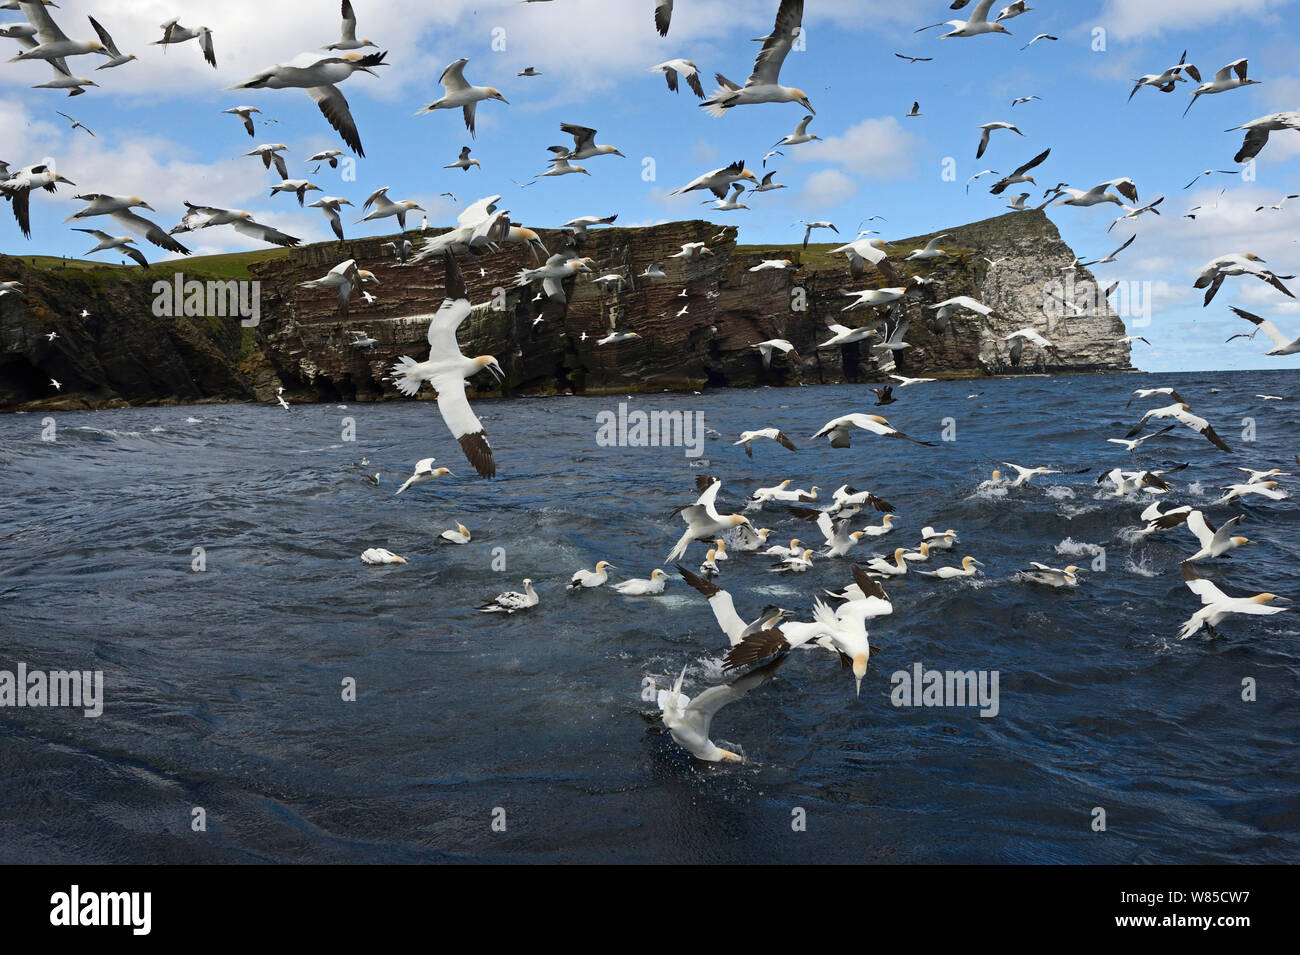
column 459, row 94
column 764, row 85
column 1218, row 605
column 703, row 522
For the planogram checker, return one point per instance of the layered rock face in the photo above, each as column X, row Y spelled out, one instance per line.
column 697, row 326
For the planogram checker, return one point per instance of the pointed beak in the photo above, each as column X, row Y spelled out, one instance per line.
column 729, row 757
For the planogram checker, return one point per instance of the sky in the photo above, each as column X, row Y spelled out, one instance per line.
column 160, row 134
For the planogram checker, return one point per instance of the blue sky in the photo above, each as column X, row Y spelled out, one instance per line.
column 160, row 133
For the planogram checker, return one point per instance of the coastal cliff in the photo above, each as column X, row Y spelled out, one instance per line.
column 121, row 352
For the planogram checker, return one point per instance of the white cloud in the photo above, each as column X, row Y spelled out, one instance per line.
column 1142, row 19
column 877, row 149
column 826, row 188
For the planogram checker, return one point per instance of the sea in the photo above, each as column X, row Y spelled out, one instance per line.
column 268, row 698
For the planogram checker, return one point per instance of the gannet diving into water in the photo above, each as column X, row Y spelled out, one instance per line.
column 703, row 522
column 447, row 370
column 688, row 720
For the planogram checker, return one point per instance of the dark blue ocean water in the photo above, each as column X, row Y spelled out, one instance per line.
column 223, row 688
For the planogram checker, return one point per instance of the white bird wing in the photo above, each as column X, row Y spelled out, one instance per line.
column 38, row 16
column 454, row 310
column 1268, row 328
column 1203, row 588
column 104, row 38
column 462, row 422
column 479, row 211
column 981, row 12
column 701, row 710
column 767, row 67
column 1197, row 524
column 349, row 22
column 453, row 77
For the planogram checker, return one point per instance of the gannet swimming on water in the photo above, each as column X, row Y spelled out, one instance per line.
column 447, row 370
column 709, row 569
column 671, row 69
column 1218, row 605
column 688, row 720
column 794, row 564
column 939, row 540
column 774, row 344
column 703, row 522
column 746, row 539
column 1051, row 576
column 839, row 541
column 319, row 75
column 1283, row 345
column 460, row 535
column 764, row 84
column 997, row 480
column 348, row 32
column 378, row 555
column 882, row 567
column 795, row 548
column 879, row 530
column 718, row 181
column 512, row 601
column 840, row 430
column 588, row 579
column 781, row 493
column 640, row 587
column 919, row 556
column 424, row 471
column 1215, row 271
column 1183, row 415
column 459, row 94
column 977, row 24
column 1266, row 489
column 245, row 114
column 1215, row 542
column 1137, row 443
column 1230, row 77
column 967, row 569
column 747, row 438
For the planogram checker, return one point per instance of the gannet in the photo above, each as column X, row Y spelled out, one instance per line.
column 459, row 94
column 774, row 344
column 343, row 278
column 654, row 271
column 763, row 85
column 688, row 720
column 746, row 539
column 937, row 540
column 843, row 335
column 882, row 567
column 1257, row 477
column 800, row 134
column 1098, row 194
column 977, row 24
column 692, row 251
column 703, row 522
column 173, row 32
column 709, row 569
column 914, row 112
column 1283, row 345
column 331, row 206
column 1266, row 489
column 581, row 224
column 378, row 555
column 914, row 59
column 767, row 185
column 240, row 220
column 76, row 125
column 1182, row 414
column 724, row 610
column 1024, row 475
column 1166, row 81
column 56, row 384
column 1163, row 521
column 863, row 250
column 1216, row 270
column 719, row 181
column 529, row 71
column 874, row 297
column 511, row 601
column 1230, row 77
column 464, row 162
column 1148, row 392
column 1023, row 99
column 663, row 16
column 1041, row 36
column 782, row 493
column 919, row 556
column 297, row 187
column 840, row 430
column 557, row 269
column 447, row 370
column 1218, row 605
column 1107, row 259
column 967, row 569
column 810, row 226
column 52, row 43
column 1051, row 576
column 424, row 471
column 245, row 114
column 747, row 438
column 121, row 243
column 796, row 547
column 385, row 207
column 1021, row 174
column 931, row 251
column 904, row 382
column 1215, row 542
column 363, row 340
column 988, row 131
column 798, row 563
column 945, row 309
column 839, row 540
column 584, row 145
column 13, row 288
column 269, row 153
column 17, row 189
column 1137, row 443
column 1257, row 131
column 640, row 587
column 348, row 39
column 589, row 579
column 319, row 75
column 879, row 530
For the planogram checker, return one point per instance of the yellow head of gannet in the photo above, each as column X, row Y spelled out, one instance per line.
column 494, row 93
column 1071, row 570
column 802, row 99
column 859, row 670
column 746, row 174
column 887, row 519
column 657, row 573
column 1267, row 598
column 735, row 520
column 604, row 565
column 490, row 364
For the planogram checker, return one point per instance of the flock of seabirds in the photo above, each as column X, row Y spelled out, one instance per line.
column 762, row 644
